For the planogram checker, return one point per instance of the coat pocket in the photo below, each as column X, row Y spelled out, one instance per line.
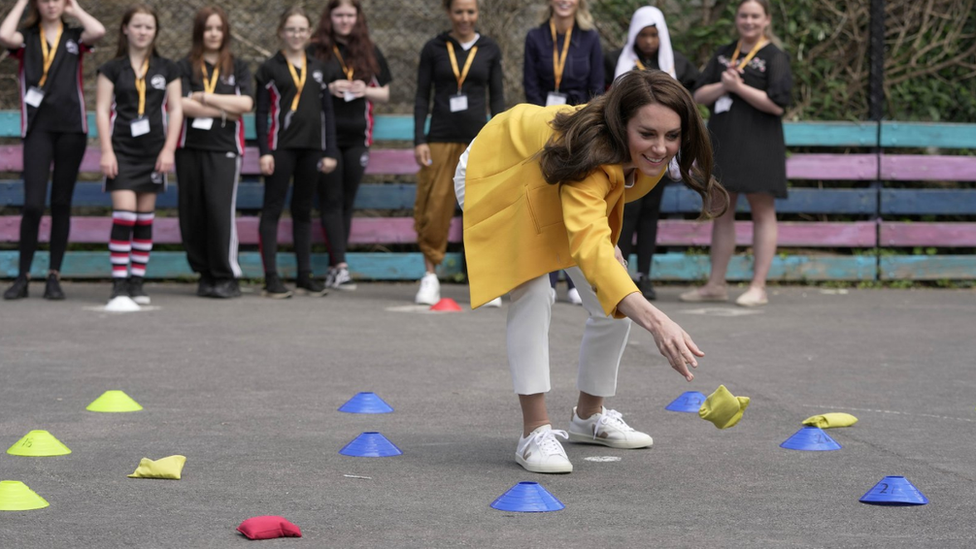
column 544, row 206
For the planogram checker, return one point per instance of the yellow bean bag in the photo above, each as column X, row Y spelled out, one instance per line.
column 723, row 409
column 168, row 467
column 831, row 420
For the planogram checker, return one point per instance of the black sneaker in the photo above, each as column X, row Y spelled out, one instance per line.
column 136, row 292
column 205, row 287
column 19, row 289
column 308, row 285
column 226, row 289
column 646, row 289
column 52, row 290
column 274, row 287
column 120, row 287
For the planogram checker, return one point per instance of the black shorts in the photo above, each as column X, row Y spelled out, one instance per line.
column 138, row 175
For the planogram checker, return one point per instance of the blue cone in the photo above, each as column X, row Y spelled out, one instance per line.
column 370, row 444
column 811, row 439
column 689, row 401
column 527, row 497
column 893, row 490
column 366, row 403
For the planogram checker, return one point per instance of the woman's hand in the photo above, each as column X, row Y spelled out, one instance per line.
column 339, row 88
column 731, row 79
column 358, row 88
column 266, row 163
column 673, row 342
column 421, row 153
column 109, row 164
column 327, row 164
column 164, row 162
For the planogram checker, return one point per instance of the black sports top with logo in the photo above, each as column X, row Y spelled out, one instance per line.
column 310, row 126
column 63, row 107
column 125, row 108
column 223, row 136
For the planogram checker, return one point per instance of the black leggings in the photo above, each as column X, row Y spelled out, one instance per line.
column 337, row 193
column 303, row 164
column 40, row 149
column 641, row 215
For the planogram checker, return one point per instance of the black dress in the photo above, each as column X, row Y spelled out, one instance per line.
column 750, row 153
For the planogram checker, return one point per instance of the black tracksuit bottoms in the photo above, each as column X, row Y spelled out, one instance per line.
column 337, row 195
column 303, row 165
column 207, row 205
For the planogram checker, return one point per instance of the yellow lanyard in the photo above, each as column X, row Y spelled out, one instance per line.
column 299, row 82
column 752, row 53
column 559, row 61
column 640, row 65
column 347, row 71
column 141, row 86
column 48, row 53
column 209, row 87
column 462, row 74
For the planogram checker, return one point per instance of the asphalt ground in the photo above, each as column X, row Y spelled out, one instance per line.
column 248, row 391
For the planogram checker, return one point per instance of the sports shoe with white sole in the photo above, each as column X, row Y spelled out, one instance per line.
column 430, row 290
column 607, row 428
column 494, row 303
column 573, row 297
column 540, row 452
column 342, row 280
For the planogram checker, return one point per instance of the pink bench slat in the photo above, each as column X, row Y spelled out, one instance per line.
column 166, row 230
column 917, row 167
column 861, row 234
column 928, row 234
column 856, row 167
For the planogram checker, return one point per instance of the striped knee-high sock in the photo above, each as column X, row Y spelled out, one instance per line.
column 141, row 242
column 120, row 242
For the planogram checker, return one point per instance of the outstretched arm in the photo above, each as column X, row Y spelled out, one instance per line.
column 10, row 37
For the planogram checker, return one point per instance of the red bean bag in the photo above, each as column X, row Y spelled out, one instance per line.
column 269, row 527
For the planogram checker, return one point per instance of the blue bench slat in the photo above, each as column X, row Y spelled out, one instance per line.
column 830, row 134
column 680, row 199
column 928, row 202
column 928, row 134
column 928, row 267
column 168, row 265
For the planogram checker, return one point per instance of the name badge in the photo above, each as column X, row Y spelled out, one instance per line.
column 34, row 97
column 140, row 126
column 459, row 102
column 202, row 123
column 555, row 98
column 723, row 104
column 349, row 96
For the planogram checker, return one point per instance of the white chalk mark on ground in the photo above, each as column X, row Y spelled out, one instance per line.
column 602, row 459
column 421, row 309
column 834, row 291
column 891, row 412
column 142, row 309
column 358, row 476
column 723, row 311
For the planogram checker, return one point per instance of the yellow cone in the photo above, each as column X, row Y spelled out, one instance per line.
column 16, row 496
column 38, row 443
column 114, row 401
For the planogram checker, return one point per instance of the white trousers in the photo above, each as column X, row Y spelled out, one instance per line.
column 527, row 337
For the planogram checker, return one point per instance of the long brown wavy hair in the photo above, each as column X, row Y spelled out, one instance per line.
column 360, row 56
column 225, row 60
column 123, row 49
column 596, row 134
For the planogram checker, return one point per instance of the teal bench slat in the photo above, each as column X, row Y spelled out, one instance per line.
column 928, row 134
column 830, row 134
column 928, row 202
column 795, row 268
column 169, row 265
column 928, row 267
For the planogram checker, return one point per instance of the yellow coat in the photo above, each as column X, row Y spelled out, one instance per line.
column 518, row 227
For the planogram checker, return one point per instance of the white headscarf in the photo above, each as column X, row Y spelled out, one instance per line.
column 646, row 17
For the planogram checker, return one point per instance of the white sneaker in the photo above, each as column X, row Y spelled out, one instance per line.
column 573, row 296
column 495, row 303
column 552, row 295
column 430, row 290
column 342, row 280
column 607, row 428
column 540, row 452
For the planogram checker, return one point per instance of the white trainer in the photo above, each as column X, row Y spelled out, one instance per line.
column 494, row 303
column 430, row 290
column 607, row 428
column 540, row 452
column 573, row 296
column 342, row 280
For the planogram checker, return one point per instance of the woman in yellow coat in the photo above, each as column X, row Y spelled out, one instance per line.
column 543, row 189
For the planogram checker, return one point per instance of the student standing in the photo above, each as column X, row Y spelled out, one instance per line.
column 300, row 142
column 53, row 122
column 139, row 117
column 543, row 189
column 357, row 77
column 648, row 47
column 463, row 69
column 218, row 90
column 746, row 86
column 563, row 66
